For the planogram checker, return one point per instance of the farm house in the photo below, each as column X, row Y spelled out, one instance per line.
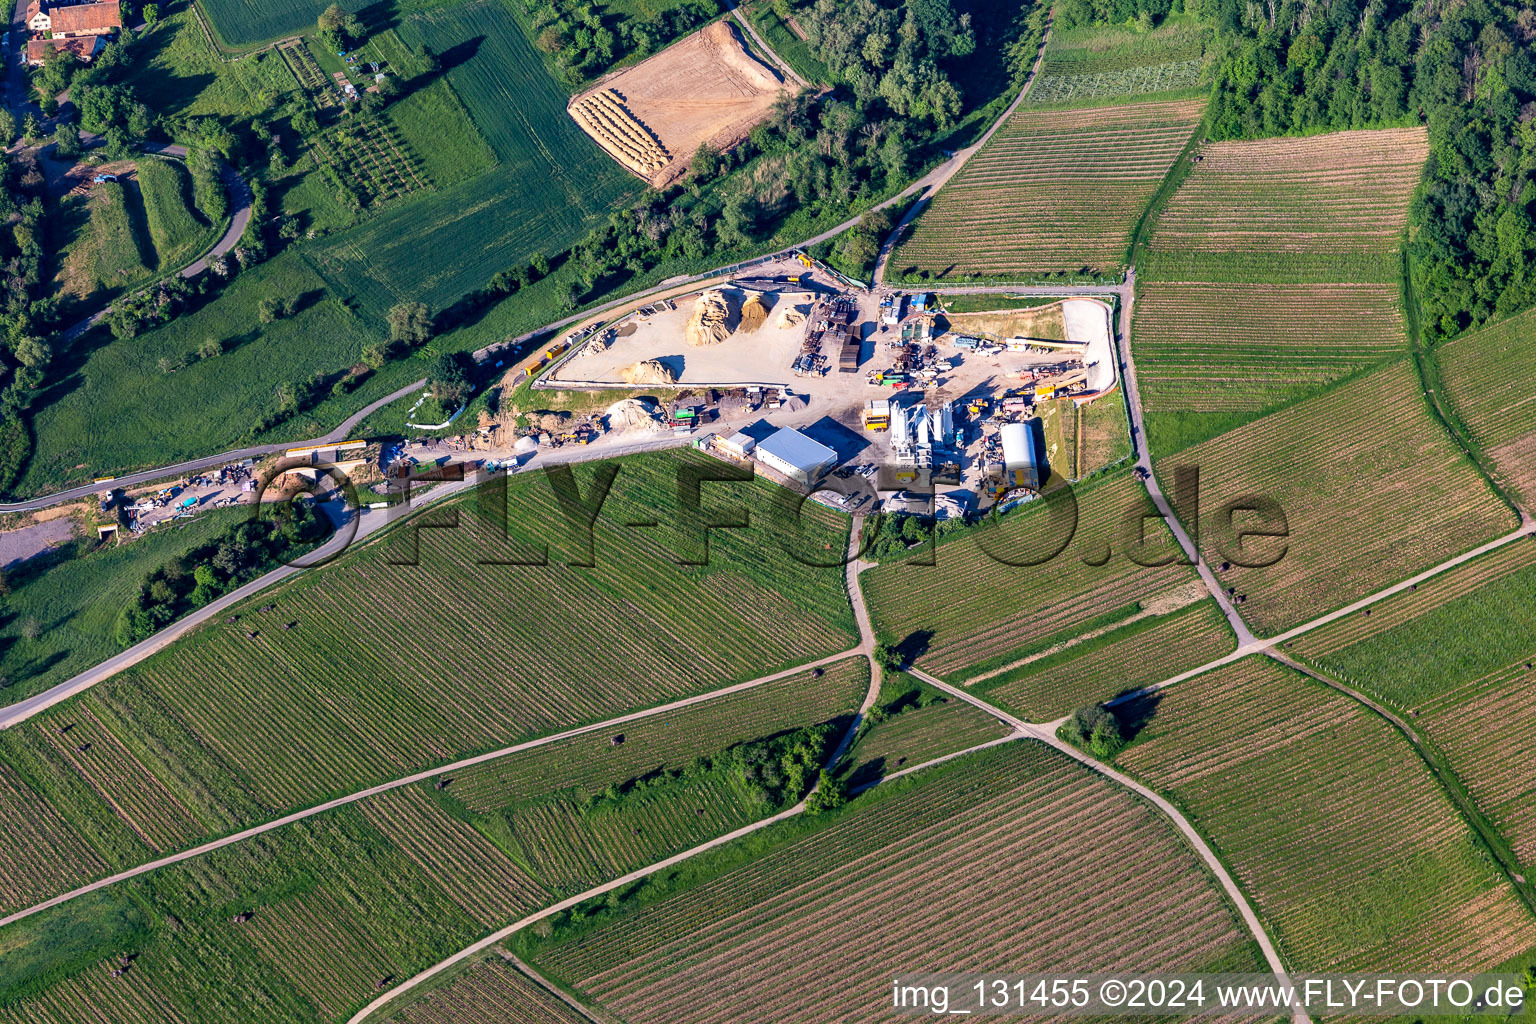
column 795, row 455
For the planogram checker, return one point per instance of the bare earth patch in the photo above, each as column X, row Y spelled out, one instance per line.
column 652, row 117
column 1045, row 322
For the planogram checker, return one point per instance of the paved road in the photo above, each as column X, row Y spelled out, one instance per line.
column 932, row 179
column 16, row 67
column 368, row 523
column 940, row 176
column 240, row 199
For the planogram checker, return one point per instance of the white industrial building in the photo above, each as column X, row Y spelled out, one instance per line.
column 1021, row 467
column 797, row 456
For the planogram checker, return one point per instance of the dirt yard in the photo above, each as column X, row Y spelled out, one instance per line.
column 1044, row 322
column 652, row 117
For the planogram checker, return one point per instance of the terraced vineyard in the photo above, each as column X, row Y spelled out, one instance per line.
column 1238, row 349
column 917, row 735
column 1425, row 502
column 572, row 845
column 1142, row 653
column 1272, row 271
column 477, row 876
column 97, row 996
column 239, row 727
column 491, row 992
column 1322, row 810
column 1020, row 831
column 1053, row 191
column 584, row 765
column 1474, row 698
column 296, row 926
column 1088, row 64
column 972, row 611
column 1489, row 377
column 39, row 852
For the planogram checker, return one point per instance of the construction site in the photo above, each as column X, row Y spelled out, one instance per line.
column 974, row 403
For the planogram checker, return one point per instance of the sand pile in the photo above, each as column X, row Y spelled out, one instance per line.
column 754, row 313
column 633, row 414
column 789, row 316
column 649, row 371
column 712, row 319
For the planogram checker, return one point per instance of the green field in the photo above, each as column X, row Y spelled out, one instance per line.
column 107, row 247
column 1053, row 192
column 551, row 185
column 368, row 676
column 179, row 231
column 1347, row 846
column 1103, row 434
column 1085, row 65
column 437, row 129
column 77, row 600
column 176, row 71
column 1488, row 375
column 793, row 50
column 1041, row 830
column 972, row 611
column 1126, row 658
column 1272, row 271
column 113, row 408
column 1425, row 503
column 125, row 233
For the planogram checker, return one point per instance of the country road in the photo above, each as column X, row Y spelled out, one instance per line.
column 1046, row 733
column 782, row 64
column 1143, row 454
column 368, row 522
column 240, row 215
column 933, row 178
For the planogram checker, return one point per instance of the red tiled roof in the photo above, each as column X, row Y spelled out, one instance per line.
column 83, row 47
column 33, row 10
column 99, row 18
